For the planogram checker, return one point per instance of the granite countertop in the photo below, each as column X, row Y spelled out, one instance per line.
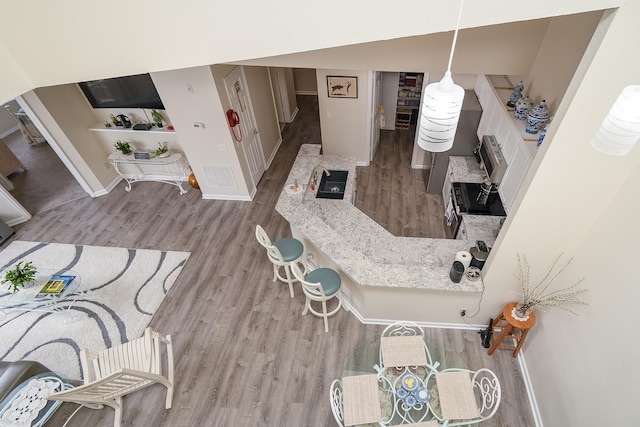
column 364, row 250
column 465, row 169
column 482, row 227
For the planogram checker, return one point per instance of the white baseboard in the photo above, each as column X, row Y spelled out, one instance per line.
column 307, row 92
column 530, row 392
column 226, row 197
column 9, row 132
column 274, row 152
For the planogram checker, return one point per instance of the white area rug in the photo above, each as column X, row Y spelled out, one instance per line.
column 127, row 286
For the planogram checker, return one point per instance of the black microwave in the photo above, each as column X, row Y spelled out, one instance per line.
column 492, row 159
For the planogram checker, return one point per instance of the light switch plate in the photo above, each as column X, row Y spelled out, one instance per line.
column 222, row 147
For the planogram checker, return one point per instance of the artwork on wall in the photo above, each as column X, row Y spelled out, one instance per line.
column 342, row 87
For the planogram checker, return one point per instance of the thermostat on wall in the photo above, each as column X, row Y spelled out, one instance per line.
column 198, row 125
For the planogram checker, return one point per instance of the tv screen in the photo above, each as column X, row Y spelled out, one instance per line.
column 136, row 91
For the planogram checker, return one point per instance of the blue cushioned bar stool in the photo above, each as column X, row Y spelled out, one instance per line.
column 321, row 285
column 284, row 253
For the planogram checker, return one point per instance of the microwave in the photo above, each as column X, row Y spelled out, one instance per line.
column 491, row 159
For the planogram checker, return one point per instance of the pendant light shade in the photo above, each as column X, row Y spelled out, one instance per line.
column 439, row 116
column 620, row 130
column 441, row 106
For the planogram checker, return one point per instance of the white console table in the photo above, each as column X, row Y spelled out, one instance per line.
column 172, row 169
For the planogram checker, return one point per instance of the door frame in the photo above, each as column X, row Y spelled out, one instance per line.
column 239, row 71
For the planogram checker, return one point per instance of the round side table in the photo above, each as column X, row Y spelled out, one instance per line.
column 505, row 325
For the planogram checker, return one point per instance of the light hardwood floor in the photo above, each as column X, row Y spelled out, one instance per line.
column 244, row 354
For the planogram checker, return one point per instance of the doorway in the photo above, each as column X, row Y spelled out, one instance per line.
column 245, row 131
column 46, row 182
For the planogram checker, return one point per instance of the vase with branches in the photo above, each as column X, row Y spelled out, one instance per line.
column 544, row 293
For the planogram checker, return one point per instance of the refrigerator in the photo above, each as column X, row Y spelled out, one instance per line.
column 463, row 144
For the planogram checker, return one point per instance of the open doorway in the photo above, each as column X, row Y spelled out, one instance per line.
column 45, row 182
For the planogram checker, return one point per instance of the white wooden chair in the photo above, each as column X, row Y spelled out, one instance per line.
column 283, row 253
column 115, row 372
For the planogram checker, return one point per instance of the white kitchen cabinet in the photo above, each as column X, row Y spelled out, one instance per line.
column 517, row 149
column 513, row 177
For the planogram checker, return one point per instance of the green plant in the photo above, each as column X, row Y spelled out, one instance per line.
column 157, row 117
column 123, row 146
column 114, row 120
column 20, row 275
column 162, row 148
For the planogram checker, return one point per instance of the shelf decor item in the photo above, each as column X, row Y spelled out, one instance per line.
column 22, row 274
column 537, row 117
column 522, row 107
column 342, row 87
column 123, row 146
column 441, row 106
column 157, row 117
column 543, row 293
column 515, row 95
column 162, row 150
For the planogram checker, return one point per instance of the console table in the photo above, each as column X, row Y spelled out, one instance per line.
column 172, row 169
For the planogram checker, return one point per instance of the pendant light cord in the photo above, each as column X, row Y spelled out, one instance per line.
column 455, row 36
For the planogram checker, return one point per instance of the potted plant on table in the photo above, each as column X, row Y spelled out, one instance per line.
column 123, row 146
column 544, row 293
column 22, row 274
column 157, row 117
column 163, row 150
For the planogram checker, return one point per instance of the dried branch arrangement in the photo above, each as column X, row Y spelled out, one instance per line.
column 543, row 294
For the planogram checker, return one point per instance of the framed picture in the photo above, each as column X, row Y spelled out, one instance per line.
column 342, row 87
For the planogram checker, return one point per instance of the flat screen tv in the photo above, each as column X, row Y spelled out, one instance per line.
column 136, row 91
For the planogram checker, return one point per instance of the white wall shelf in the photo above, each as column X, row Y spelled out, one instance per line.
column 99, row 127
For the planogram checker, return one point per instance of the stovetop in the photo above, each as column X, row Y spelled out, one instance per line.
column 466, row 199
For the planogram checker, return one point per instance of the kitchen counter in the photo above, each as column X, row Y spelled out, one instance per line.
column 482, row 227
column 465, row 169
column 358, row 246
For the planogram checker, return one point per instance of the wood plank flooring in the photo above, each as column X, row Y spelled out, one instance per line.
column 244, row 355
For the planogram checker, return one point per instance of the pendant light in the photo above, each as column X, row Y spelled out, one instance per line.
column 620, row 130
column 441, row 105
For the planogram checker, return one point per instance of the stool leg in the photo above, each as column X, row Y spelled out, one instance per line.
column 523, row 335
column 287, row 271
column 324, row 314
column 503, row 334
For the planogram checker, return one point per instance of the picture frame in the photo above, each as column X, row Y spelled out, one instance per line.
column 142, row 155
column 342, row 87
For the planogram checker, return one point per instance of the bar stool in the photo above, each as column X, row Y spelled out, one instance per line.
column 509, row 326
column 321, row 285
column 284, row 253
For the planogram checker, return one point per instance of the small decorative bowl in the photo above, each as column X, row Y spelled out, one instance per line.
column 402, row 392
column 410, row 382
column 422, row 395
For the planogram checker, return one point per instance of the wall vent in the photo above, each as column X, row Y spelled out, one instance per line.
column 220, row 176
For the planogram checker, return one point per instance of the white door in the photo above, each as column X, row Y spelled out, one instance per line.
column 376, row 95
column 246, row 132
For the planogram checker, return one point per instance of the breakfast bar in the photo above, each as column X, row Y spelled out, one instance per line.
column 384, row 276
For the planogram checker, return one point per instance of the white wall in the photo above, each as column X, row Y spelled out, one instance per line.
column 581, row 202
column 344, row 121
column 190, row 33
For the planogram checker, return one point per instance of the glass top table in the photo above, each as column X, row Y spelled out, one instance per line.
column 394, row 408
column 26, row 299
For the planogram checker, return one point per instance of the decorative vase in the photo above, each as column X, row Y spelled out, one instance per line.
column 522, row 107
column 521, row 312
column 515, row 95
column 165, row 154
column 537, row 117
column 543, row 133
column 193, row 181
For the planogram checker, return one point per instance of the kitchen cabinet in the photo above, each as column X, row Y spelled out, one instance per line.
column 462, row 230
column 518, row 147
column 514, row 176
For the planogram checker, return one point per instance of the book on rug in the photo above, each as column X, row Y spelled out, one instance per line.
column 55, row 286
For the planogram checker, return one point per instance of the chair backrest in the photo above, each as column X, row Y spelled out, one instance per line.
column 406, row 329
column 486, row 383
column 335, row 397
column 313, row 291
column 272, row 251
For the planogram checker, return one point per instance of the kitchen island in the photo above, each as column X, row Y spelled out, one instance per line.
column 384, row 276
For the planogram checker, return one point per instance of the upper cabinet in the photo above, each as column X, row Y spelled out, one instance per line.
column 519, row 148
